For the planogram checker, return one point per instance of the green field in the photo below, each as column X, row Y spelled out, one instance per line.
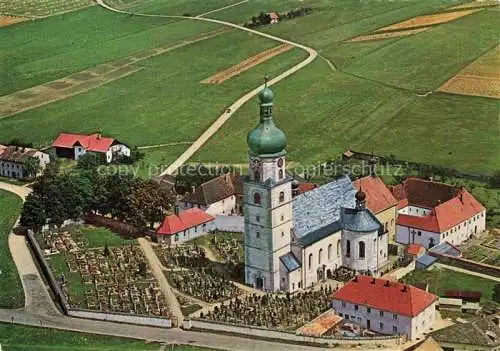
column 440, row 280
column 25, row 338
column 36, row 8
column 99, row 237
column 369, row 103
column 11, row 292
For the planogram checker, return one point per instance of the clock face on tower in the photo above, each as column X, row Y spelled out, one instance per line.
column 280, row 162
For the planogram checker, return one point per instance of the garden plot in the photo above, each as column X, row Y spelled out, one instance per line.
column 8, row 20
column 480, row 78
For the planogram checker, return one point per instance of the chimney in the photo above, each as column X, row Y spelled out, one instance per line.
column 98, row 136
column 355, row 279
column 176, row 210
column 461, row 197
column 387, row 283
column 405, row 289
column 193, row 189
column 373, row 280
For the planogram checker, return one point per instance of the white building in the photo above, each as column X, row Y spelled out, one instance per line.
column 385, row 307
column 75, row 145
column 13, row 158
column 292, row 242
column 183, row 226
column 218, row 196
column 432, row 212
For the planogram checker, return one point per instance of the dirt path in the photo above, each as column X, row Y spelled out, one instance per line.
column 219, row 122
column 223, row 8
column 162, row 145
column 156, row 268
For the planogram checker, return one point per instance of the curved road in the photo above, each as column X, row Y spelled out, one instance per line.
column 219, row 122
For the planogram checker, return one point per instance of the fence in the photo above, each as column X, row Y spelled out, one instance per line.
column 229, row 223
column 289, row 337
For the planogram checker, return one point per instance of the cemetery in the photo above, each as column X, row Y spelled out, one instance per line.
column 109, row 278
column 274, row 311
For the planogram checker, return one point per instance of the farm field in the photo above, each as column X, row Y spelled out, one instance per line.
column 440, row 280
column 37, row 8
column 21, row 338
column 480, row 78
column 11, row 295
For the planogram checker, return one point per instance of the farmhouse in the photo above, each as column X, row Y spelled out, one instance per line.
column 385, row 307
column 183, row 226
column 13, row 160
column 275, row 18
column 291, row 242
column 75, row 145
column 432, row 212
column 218, row 196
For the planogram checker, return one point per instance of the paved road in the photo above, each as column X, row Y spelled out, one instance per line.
column 219, row 122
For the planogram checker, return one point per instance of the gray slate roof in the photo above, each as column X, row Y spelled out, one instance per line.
column 480, row 332
column 290, row 262
column 316, row 213
column 362, row 221
column 426, row 260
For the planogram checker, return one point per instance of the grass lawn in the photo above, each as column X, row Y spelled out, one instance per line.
column 11, row 291
column 440, row 280
column 99, row 237
column 19, row 337
column 40, row 8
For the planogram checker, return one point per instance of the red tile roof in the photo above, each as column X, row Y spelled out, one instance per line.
column 446, row 215
column 378, row 195
column 397, row 298
column 424, row 193
column 94, row 142
column 414, row 249
column 184, row 220
column 305, row 187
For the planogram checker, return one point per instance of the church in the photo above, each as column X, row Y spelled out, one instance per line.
column 293, row 242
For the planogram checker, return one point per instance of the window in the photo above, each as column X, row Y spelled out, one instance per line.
column 343, row 304
column 195, row 229
column 257, row 235
column 293, row 286
column 340, row 314
column 282, row 196
column 368, row 310
column 282, row 234
column 381, row 325
column 256, row 198
column 310, row 261
column 329, row 252
column 280, row 174
column 386, row 225
column 355, row 307
column 320, row 256
column 348, row 248
column 419, row 233
column 394, row 329
column 338, row 248
column 381, row 313
column 361, row 245
column 282, row 218
column 394, row 316
column 257, row 218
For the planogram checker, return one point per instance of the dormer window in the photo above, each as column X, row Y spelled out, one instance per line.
column 282, row 196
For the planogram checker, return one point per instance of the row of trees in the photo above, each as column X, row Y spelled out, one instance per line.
column 57, row 197
column 265, row 18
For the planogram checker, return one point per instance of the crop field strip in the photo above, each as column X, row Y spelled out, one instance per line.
column 41, row 8
column 480, row 78
column 83, row 81
column 9, row 20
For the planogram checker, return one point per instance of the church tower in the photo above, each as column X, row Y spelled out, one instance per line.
column 267, row 201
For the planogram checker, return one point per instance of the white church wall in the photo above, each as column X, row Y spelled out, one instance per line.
column 310, row 272
column 415, row 211
column 405, row 235
column 372, row 247
column 225, row 206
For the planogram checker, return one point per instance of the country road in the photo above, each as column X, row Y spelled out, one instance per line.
column 235, row 106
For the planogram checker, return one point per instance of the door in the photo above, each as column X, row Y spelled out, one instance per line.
column 368, row 326
column 259, row 283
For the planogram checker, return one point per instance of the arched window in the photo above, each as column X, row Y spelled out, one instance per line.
column 310, row 261
column 282, row 196
column 329, row 253
column 338, row 248
column 256, row 175
column 347, row 248
column 320, row 256
column 280, row 174
column 361, row 249
column 256, row 198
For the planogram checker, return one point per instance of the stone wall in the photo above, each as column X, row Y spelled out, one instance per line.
column 290, row 337
column 467, row 264
column 122, row 318
column 229, row 223
column 400, row 272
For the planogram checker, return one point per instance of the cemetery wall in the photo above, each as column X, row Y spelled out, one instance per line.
column 467, row 264
column 400, row 272
column 291, row 337
column 117, row 226
column 56, row 289
column 229, row 223
column 121, row 318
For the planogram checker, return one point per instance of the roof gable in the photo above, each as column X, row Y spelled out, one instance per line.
column 186, row 219
column 93, row 142
column 212, row 191
column 378, row 195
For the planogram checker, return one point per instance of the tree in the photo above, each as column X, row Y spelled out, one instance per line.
column 494, row 181
column 149, row 201
column 496, row 293
column 106, row 250
column 31, row 166
column 89, row 160
column 33, row 215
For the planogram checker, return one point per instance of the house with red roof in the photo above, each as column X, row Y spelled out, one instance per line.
column 183, row 226
column 414, row 250
column 431, row 212
column 75, row 145
column 381, row 201
column 385, row 307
